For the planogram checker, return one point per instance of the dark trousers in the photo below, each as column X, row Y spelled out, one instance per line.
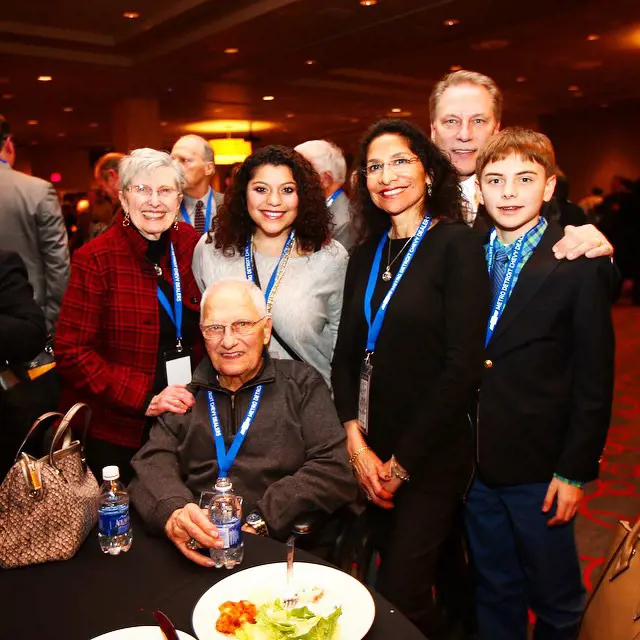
column 522, row 564
column 408, row 539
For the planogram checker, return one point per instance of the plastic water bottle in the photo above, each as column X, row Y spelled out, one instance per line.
column 225, row 511
column 114, row 527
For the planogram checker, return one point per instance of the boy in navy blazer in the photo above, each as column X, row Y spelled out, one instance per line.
column 544, row 405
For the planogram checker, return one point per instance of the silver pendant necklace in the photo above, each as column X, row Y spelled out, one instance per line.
column 387, row 275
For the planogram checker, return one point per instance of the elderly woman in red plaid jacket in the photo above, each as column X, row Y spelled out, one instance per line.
column 128, row 337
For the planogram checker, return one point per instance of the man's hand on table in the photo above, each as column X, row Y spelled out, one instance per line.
column 192, row 522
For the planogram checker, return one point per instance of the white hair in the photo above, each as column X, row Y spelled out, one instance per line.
column 146, row 161
column 325, row 156
column 254, row 292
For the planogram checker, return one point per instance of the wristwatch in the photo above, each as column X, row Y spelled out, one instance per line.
column 256, row 521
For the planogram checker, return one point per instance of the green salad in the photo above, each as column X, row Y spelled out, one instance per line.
column 273, row 622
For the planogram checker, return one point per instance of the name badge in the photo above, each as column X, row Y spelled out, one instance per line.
column 366, row 372
column 178, row 366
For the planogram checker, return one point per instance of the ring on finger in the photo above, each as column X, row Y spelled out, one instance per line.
column 192, row 544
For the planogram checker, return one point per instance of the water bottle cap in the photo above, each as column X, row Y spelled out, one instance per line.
column 223, row 484
column 111, row 472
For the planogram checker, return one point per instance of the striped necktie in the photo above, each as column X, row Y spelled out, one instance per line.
column 198, row 217
column 500, row 262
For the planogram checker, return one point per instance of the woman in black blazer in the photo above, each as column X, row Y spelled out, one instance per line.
column 410, row 438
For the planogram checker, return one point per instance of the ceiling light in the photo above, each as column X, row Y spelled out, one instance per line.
column 396, row 110
column 604, row 105
column 45, row 78
column 7, row 96
column 573, row 87
column 521, row 79
column 131, row 15
column 230, row 150
column 310, row 61
column 34, row 142
column 452, row 22
column 164, row 123
column 368, row 3
column 268, row 98
column 61, row 134
column 32, row 122
column 291, row 115
column 455, row 67
column 231, row 50
column 93, row 125
column 593, row 36
column 227, row 126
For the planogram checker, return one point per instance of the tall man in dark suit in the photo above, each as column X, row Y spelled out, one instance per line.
column 31, row 224
column 200, row 201
column 544, row 403
column 466, row 109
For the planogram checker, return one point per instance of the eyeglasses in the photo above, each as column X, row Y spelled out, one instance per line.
column 240, row 327
column 145, row 191
column 398, row 165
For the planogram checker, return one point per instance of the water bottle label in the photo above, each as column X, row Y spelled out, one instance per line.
column 229, row 533
column 114, row 521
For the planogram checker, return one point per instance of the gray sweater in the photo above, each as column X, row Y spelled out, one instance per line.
column 293, row 459
column 307, row 306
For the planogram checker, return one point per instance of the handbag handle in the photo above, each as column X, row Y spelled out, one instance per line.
column 62, row 429
column 34, row 426
column 627, row 552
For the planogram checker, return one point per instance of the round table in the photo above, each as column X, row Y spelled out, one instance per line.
column 94, row 593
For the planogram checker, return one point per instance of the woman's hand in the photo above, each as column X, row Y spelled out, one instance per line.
column 191, row 522
column 387, row 480
column 366, row 467
column 175, row 399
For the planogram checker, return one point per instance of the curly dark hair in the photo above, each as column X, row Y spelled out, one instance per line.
column 445, row 200
column 233, row 225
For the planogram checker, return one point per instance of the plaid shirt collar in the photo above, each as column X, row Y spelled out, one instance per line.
column 529, row 245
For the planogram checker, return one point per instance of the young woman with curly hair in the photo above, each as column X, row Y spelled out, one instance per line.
column 275, row 229
column 409, row 356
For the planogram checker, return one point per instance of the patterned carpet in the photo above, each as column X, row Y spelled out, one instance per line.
column 616, row 495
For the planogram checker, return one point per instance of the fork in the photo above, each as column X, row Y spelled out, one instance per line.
column 290, row 596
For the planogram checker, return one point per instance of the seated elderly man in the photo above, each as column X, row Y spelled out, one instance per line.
column 293, row 459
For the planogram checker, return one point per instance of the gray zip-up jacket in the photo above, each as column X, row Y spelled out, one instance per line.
column 293, row 459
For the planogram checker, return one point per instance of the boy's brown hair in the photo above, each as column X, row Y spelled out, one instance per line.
column 529, row 145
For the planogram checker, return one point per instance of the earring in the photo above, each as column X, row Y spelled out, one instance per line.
column 127, row 220
column 429, row 189
column 175, row 223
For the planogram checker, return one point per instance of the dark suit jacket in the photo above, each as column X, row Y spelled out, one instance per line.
column 545, row 398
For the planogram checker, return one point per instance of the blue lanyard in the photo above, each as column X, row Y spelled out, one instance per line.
column 3, row 161
column 332, row 198
column 376, row 326
column 509, row 281
column 177, row 298
column 248, row 262
column 207, row 218
column 226, row 458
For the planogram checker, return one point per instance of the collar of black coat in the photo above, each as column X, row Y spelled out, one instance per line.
column 206, row 375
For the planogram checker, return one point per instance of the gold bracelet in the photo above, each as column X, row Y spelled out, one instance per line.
column 353, row 458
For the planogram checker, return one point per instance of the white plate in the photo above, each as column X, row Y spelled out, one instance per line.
column 139, row 633
column 267, row 581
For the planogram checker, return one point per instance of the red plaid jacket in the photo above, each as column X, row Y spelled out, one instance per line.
column 106, row 341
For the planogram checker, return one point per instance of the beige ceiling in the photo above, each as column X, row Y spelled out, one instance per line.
column 367, row 60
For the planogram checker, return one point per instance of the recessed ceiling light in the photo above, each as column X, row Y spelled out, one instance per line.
column 45, row 78
column 455, row 67
column 354, row 120
column 368, row 3
column 593, row 36
column 164, row 123
column 452, row 22
column 7, row 96
column 396, row 110
column 268, row 98
column 521, row 79
column 131, row 15
column 34, row 142
column 93, row 125
column 32, row 122
column 169, row 89
column 604, row 105
column 291, row 115
column 231, row 50
column 68, row 109
column 309, row 61
column 573, row 87
column 61, row 134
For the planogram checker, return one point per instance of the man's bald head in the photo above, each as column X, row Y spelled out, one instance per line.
column 195, row 155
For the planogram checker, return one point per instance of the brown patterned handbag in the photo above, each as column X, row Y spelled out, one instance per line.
column 48, row 506
column 613, row 610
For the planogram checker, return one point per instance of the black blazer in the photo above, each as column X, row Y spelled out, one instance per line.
column 545, row 398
